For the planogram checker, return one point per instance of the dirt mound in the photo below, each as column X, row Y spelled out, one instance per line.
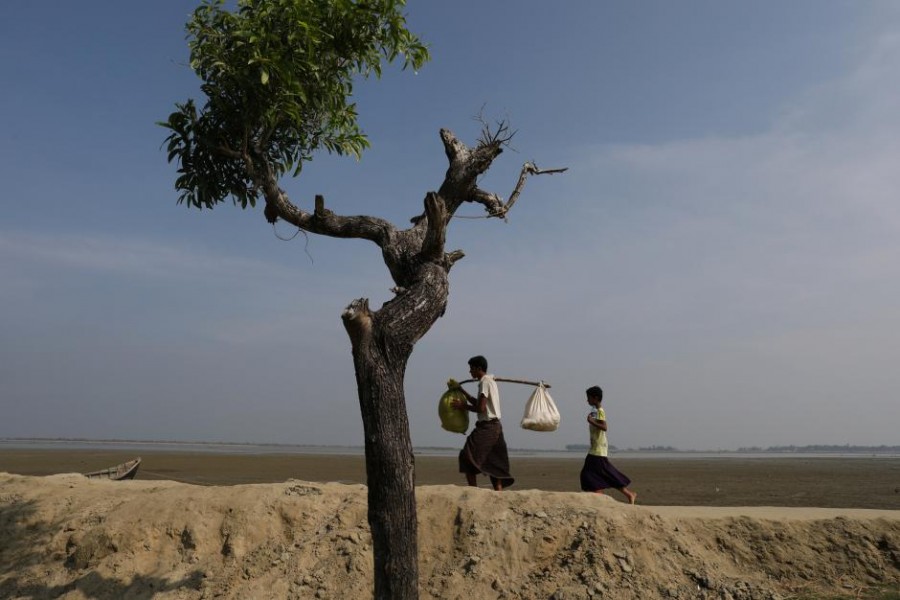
column 68, row 537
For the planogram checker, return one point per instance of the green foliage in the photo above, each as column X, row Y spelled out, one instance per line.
column 278, row 76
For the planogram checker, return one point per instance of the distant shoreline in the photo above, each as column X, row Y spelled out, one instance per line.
column 571, row 450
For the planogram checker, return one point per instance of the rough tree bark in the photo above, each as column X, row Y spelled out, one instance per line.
column 383, row 340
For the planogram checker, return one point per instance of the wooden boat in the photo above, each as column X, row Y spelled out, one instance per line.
column 126, row 470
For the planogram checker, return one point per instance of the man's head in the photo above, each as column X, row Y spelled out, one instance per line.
column 477, row 366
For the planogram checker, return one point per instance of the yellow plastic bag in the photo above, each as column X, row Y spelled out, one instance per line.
column 453, row 419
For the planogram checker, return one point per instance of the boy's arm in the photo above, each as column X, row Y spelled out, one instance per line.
column 597, row 423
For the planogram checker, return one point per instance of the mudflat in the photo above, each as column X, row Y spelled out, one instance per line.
column 297, row 528
column 824, row 482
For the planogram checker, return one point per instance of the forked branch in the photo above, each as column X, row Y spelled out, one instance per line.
column 528, row 168
column 494, row 205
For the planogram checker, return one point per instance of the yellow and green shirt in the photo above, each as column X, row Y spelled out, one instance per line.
column 599, row 445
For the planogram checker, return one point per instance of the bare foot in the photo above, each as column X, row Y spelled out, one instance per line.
column 598, row 492
column 632, row 496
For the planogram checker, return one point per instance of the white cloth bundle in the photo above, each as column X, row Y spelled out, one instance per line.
column 540, row 412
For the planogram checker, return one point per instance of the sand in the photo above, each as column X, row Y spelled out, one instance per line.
column 64, row 536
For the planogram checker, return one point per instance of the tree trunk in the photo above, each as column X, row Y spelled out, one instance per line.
column 390, row 472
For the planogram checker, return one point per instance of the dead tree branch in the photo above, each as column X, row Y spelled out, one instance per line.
column 321, row 221
column 528, row 168
column 436, row 232
column 499, row 135
column 494, row 205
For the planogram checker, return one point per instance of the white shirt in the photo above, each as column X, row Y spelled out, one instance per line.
column 488, row 387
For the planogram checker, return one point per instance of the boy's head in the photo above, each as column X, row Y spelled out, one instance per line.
column 594, row 394
column 477, row 365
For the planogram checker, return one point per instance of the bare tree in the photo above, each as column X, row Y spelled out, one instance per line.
column 383, row 339
column 278, row 76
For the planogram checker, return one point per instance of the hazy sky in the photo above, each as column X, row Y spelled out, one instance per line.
column 723, row 256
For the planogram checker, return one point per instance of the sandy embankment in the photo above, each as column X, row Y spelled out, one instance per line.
column 64, row 536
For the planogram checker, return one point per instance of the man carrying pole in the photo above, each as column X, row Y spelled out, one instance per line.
column 485, row 450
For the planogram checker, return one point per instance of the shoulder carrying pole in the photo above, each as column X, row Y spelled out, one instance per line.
column 505, row 380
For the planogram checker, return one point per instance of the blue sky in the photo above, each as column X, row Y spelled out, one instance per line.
column 722, row 257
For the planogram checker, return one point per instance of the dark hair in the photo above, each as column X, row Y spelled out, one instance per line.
column 595, row 392
column 479, row 362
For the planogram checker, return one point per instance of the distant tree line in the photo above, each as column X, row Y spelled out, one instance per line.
column 823, row 448
column 882, row 449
